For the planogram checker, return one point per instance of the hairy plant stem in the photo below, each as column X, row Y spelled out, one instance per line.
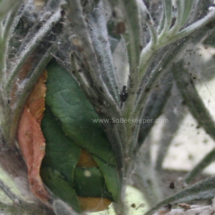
column 132, row 38
column 29, row 49
column 133, row 42
column 100, row 40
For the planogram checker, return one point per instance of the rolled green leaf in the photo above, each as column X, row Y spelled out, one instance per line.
column 75, row 113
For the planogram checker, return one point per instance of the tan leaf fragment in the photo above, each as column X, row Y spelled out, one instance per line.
column 92, row 204
column 86, row 160
column 184, row 206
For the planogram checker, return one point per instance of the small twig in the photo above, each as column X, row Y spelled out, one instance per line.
column 201, row 190
column 191, row 210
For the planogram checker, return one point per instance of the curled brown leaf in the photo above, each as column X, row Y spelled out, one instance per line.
column 31, row 139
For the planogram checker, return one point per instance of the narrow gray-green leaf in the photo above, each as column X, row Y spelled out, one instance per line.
column 193, row 100
column 154, row 106
column 207, row 159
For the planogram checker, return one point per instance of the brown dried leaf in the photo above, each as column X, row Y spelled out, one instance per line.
column 31, row 139
column 36, row 100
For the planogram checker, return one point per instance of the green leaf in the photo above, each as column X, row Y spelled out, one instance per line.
column 61, row 152
column 75, row 113
column 111, row 177
column 89, row 182
column 60, row 187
